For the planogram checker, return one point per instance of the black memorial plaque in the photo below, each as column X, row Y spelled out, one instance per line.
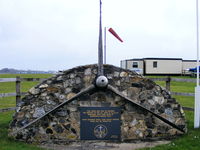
column 100, row 123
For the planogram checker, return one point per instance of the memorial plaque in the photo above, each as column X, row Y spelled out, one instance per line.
column 100, row 123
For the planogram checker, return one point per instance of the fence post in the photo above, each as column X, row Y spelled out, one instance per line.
column 168, row 80
column 18, row 92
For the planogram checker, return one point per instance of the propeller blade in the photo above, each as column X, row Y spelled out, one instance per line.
column 88, row 89
column 111, row 88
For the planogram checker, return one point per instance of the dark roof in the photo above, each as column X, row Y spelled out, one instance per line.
column 154, row 58
column 137, row 59
column 190, row 60
column 141, row 59
column 162, row 58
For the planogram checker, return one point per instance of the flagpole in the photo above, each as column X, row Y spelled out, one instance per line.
column 101, row 81
column 197, row 88
column 100, row 45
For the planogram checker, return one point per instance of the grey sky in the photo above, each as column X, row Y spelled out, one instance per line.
column 61, row 34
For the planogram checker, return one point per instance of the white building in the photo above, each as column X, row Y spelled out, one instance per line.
column 159, row 66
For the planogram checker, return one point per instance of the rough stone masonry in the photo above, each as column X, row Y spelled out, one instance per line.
column 63, row 123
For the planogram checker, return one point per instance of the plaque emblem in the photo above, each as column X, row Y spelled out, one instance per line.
column 100, row 131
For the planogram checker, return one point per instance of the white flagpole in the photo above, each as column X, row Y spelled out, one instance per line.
column 197, row 17
column 197, row 88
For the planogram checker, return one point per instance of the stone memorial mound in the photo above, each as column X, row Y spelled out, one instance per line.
column 70, row 107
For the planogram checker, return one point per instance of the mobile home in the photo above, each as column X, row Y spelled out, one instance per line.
column 134, row 65
column 158, row 66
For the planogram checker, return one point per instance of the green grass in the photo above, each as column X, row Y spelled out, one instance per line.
column 189, row 141
column 7, row 143
column 184, row 87
column 183, row 77
column 6, row 102
column 25, row 75
column 9, row 87
column 187, row 101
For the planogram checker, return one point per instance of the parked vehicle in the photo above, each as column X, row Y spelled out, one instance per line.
column 193, row 71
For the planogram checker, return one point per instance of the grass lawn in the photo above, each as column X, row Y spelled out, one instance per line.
column 25, row 75
column 187, row 101
column 189, row 141
column 5, row 117
column 184, row 87
column 182, row 77
column 9, row 144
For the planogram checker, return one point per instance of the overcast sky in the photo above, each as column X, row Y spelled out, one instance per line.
column 61, row 34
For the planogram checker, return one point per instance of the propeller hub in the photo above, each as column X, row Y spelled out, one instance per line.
column 101, row 81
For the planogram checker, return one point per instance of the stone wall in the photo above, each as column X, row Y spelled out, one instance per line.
column 63, row 124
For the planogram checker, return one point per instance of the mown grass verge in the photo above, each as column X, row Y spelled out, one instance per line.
column 7, row 143
column 189, row 141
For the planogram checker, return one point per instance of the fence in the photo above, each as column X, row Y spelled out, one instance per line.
column 168, row 81
column 18, row 93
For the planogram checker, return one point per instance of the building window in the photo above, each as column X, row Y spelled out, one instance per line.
column 135, row 64
column 155, row 64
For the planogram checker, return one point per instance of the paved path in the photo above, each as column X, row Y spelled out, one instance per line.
column 103, row 145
